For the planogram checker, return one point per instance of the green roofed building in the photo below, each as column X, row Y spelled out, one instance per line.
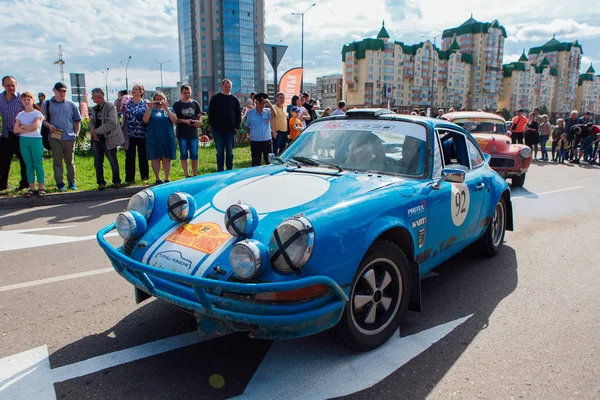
column 564, row 58
column 484, row 42
column 526, row 86
column 588, row 92
column 379, row 71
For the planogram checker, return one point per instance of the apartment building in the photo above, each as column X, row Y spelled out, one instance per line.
column 588, row 93
column 378, row 72
column 221, row 39
column 329, row 90
column 484, row 42
column 566, row 59
column 526, row 85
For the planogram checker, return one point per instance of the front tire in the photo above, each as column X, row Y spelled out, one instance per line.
column 379, row 297
column 493, row 238
column 518, row 181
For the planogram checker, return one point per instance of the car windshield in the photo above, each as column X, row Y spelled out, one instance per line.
column 482, row 125
column 391, row 147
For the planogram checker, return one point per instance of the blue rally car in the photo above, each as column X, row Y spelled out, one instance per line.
column 335, row 233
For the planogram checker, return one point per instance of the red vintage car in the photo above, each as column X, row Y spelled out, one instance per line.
column 509, row 160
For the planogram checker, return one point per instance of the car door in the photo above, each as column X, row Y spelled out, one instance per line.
column 453, row 210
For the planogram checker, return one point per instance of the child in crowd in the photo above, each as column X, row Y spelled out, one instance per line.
column 563, row 147
column 295, row 124
column 558, row 130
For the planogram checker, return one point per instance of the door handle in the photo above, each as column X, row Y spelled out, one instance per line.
column 480, row 186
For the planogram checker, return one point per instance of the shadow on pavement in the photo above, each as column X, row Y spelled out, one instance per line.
column 65, row 213
column 177, row 374
column 468, row 284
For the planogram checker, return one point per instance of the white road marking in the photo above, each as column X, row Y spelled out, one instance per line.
column 55, row 279
column 28, row 375
column 534, row 195
column 22, row 239
column 304, row 369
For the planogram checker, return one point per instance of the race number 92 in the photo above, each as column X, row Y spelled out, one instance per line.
column 460, row 203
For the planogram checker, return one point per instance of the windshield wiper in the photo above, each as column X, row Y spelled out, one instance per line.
column 310, row 161
column 296, row 163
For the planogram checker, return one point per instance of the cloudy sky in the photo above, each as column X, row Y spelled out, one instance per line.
column 103, row 33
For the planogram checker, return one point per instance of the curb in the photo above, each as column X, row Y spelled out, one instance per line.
column 21, row 202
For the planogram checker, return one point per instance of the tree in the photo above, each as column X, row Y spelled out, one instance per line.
column 506, row 114
column 544, row 110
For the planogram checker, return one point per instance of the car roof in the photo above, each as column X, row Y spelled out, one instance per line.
column 471, row 114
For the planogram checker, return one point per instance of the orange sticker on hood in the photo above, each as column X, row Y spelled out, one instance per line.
column 205, row 237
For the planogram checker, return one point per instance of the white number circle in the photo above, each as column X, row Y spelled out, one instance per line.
column 460, row 203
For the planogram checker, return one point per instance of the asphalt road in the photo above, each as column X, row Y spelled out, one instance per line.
column 524, row 324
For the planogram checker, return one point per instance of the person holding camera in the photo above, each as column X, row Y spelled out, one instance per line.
column 189, row 116
column 160, row 136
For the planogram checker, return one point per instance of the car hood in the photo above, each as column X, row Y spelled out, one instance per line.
column 495, row 144
column 275, row 192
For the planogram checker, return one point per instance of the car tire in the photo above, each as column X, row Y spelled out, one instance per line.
column 518, row 181
column 493, row 238
column 379, row 297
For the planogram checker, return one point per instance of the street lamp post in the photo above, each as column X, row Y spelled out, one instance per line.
column 161, row 64
column 302, row 54
column 106, row 81
column 126, row 66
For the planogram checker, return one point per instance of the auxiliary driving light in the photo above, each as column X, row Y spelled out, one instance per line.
column 241, row 219
column 130, row 225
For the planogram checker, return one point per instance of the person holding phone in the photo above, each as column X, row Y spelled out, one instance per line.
column 160, row 136
column 189, row 116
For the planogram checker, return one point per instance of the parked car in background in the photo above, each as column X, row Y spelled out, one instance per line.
column 489, row 130
column 334, row 234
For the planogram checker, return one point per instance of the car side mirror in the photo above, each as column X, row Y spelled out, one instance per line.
column 487, row 157
column 271, row 158
column 450, row 175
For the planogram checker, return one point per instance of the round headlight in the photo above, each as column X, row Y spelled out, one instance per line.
column 241, row 220
column 130, row 225
column 246, row 258
column 525, row 152
column 142, row 202
column 291, row 245
column 181, row 207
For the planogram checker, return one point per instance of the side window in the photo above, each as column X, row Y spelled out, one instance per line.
column 437, row 158
column 475, row 155
column 454, row 149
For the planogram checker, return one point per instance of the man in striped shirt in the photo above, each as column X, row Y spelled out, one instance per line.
column 10, row 106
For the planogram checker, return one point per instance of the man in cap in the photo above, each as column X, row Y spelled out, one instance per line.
column 64, row 126
column 260, row 122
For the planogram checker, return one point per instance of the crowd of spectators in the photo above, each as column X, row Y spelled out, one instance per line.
column 146, row 130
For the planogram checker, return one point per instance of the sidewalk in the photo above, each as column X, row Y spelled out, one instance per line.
column 20, row 202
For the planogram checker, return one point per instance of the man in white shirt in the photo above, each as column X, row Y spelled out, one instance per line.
column 341, row 110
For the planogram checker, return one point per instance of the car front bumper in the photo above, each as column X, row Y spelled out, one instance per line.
column 217, row 313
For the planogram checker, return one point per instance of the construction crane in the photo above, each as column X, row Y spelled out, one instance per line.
column 61, row 62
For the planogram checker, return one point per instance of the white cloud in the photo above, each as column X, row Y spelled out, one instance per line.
column 101, row 34
column 564, row 29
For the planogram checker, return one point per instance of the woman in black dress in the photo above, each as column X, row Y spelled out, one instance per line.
column 532, row 136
